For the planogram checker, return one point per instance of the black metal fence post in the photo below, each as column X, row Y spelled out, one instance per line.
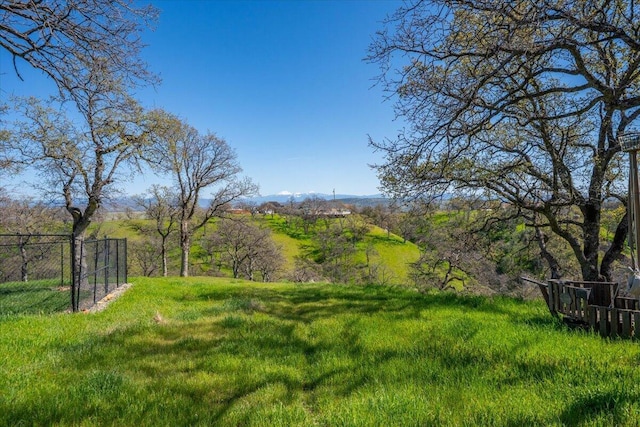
column 61, row 264
column 106, row 263
column 74, row 275
column 125, row 262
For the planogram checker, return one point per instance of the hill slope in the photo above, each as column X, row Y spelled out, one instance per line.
column 386, row 252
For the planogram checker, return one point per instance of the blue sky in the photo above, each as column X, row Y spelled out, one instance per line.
column 283, row 82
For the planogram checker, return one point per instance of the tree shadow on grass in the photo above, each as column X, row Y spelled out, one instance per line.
column 606, row 405
column 250, row 339
column 312, row 302
column 251, row 328
column 251, row 355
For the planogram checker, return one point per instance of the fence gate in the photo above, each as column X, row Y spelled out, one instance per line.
column 39, row 274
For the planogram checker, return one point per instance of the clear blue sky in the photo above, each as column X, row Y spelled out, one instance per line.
column 283, row 82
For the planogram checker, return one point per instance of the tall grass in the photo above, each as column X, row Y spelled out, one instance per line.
column 222, row 352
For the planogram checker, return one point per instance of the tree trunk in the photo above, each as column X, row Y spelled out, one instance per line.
column 614, row 251
column 79, row 269
column 185, row 247
column 184, row 264
column 165, row 270
column 24, row 270
column 589, row 264
column 554, row 266
column 250, row 269
column 236, row 268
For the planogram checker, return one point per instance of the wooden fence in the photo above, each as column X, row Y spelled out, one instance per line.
column 592, row 305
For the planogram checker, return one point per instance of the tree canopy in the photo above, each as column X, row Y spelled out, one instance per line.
column 91, row 50
column 518, row 101
column 80, row 161
column 63, row 38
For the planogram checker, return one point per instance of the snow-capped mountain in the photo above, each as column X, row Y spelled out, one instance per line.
column 286, row 196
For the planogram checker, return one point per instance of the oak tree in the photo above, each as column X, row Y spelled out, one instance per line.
column 161, row 207
column 196, row 163
column 521, row 102
column 247, row 248
column 62, row 38
column 81, row 161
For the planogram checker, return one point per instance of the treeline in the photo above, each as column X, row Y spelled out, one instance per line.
column 459, row 244
column 485, row 246
column 324, row 241
column 455, row 245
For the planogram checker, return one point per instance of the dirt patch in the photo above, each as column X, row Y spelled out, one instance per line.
column 110, row 297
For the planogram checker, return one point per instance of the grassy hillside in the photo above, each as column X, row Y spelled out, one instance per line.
column 221, row 352
column 387, row 252
column 392, row 252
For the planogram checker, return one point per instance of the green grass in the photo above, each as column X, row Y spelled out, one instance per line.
column 222, row 352
column 393, row 253
column 289, row 246
column 34, row 297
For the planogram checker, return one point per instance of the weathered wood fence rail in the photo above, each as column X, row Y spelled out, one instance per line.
column 592, row 305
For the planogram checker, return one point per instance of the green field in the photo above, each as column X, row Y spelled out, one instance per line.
column 206, row 351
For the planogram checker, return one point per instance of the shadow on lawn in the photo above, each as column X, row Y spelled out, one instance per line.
column 308, row 303
column 253, row 338
column 33, row 299
column 169, row 356
column 250, row 339
column 312, row 302
column 610, row 404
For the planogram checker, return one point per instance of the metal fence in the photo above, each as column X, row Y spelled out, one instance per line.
column 103, row 269
column 39, row 274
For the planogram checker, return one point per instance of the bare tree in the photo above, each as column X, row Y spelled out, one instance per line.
column 519, row 101
column 196, row 163
column 248, row 206
column 81, row 162
column 60, row 38
column 452, row 253
column 383, row 215
column 91, row 50
column 334, row 250
column 306, row 270
column 247, row 248
column 161, row 207
column 355, row 228
column 270, row 208
column 269, row 260
column 145, row 254
column 310, row 210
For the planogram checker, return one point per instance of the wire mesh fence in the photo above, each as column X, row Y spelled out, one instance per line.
column 102, row 269
column 40, row 274
column 35, row 273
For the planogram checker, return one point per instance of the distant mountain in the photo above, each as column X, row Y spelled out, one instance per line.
column 121, row 204
column 298, row 197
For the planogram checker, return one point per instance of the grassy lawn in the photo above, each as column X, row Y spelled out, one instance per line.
column 223, row 352
column 34, row 297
